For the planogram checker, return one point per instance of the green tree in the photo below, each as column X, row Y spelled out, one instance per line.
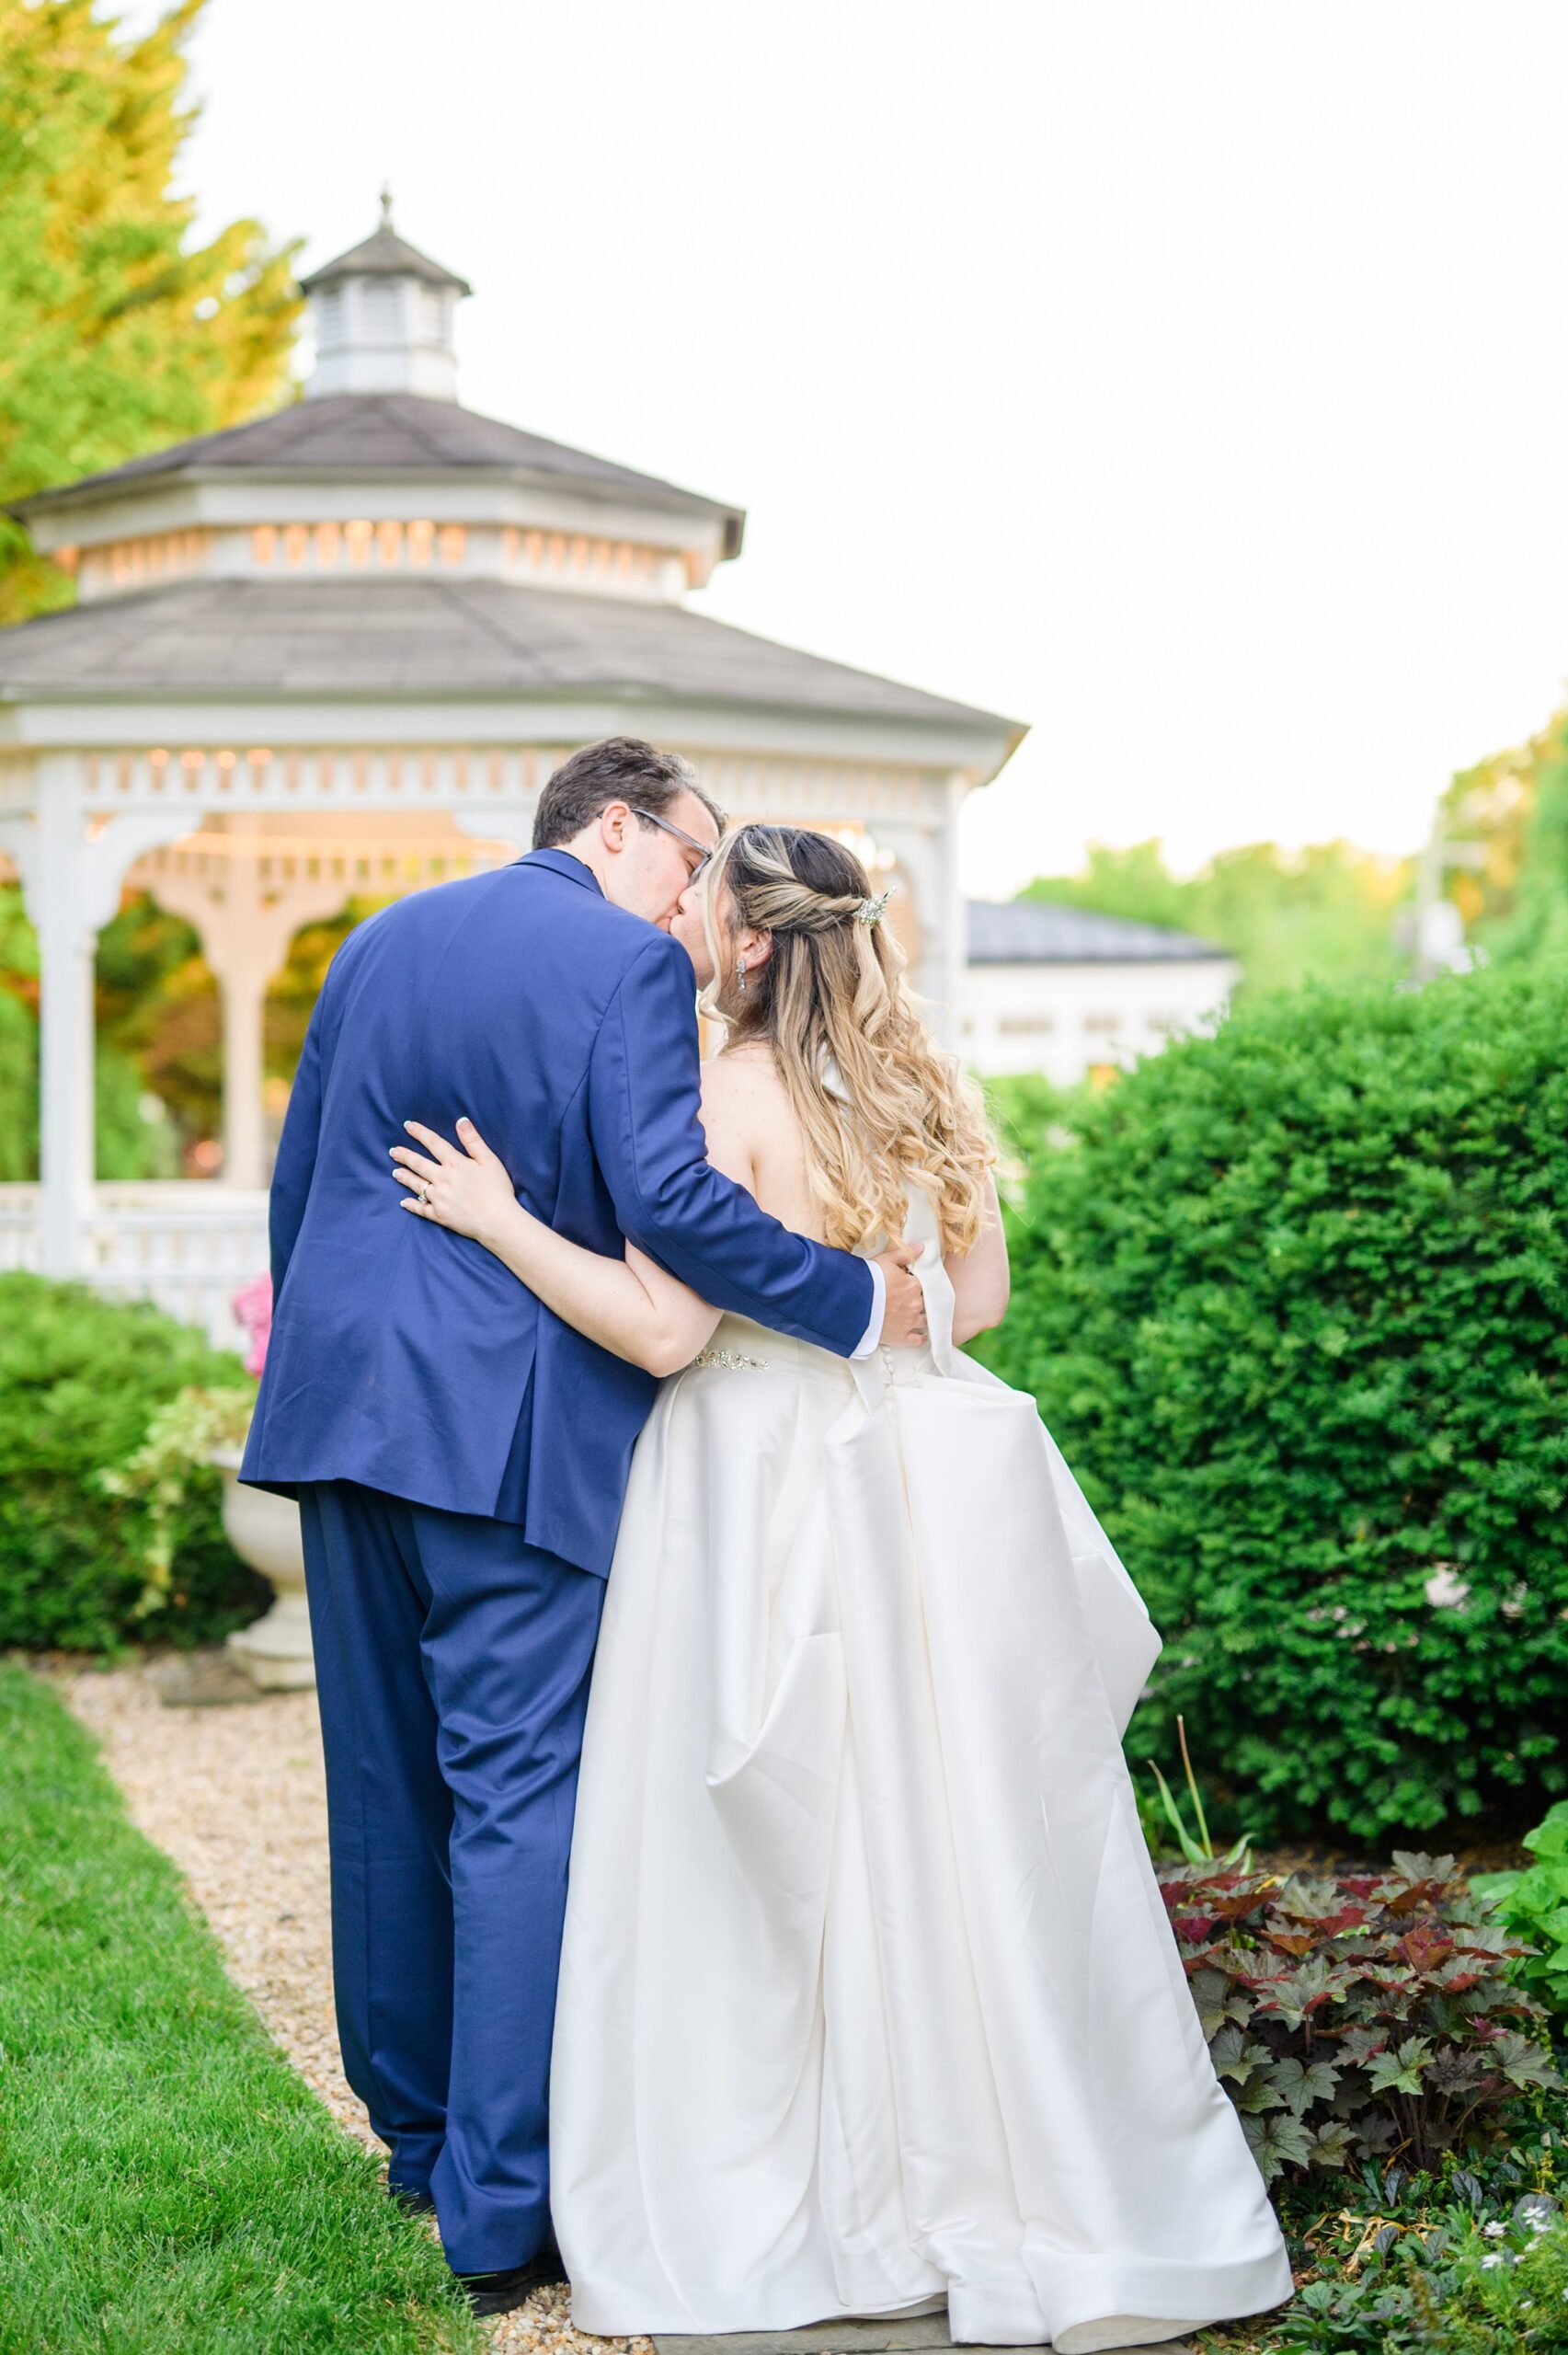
column 1490, row 805
column 115, row 338
column 142, row 954
column 18, row 1039
column 1514, row 806
column 159, row 1011
column 296, row 985
column 1539, row 923
column 1323, row 913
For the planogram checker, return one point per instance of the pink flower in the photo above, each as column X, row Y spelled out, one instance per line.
column 253, row 1305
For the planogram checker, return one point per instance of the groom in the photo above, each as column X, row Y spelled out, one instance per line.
column 461, row 1456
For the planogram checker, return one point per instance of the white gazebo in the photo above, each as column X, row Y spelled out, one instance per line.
column 338, row 651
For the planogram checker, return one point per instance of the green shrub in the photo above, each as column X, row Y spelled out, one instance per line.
column 1450, row 2279
column 1354, row 2018
column 1534, row 1905
column 1295, row 1304
column 80, row 1379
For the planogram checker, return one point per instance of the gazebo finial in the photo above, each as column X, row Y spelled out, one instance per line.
column 386, row 204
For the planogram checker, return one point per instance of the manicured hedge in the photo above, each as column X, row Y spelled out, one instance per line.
column 80, row 1379
column 1295, row 1303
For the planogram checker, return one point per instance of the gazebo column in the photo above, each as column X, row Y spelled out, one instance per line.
column 66, row 940
column 67, row 1054
column 245, row 1002
column 245, row 910
column 72, row 872
column 928, row 857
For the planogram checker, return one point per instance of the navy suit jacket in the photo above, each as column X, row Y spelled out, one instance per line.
column 409, row 1359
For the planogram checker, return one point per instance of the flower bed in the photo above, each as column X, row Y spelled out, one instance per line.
column 1356, row 2018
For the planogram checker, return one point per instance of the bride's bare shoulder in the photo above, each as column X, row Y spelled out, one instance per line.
column 741, row 1075
column 742, row 1090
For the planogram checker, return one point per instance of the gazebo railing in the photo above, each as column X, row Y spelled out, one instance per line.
column 186, row 1244
column 18, row 1228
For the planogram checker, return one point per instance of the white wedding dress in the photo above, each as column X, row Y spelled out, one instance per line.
column 868, row 2001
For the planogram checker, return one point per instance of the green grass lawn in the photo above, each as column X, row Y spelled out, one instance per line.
column 167, row 2184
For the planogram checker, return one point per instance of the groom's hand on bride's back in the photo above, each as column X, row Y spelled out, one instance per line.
column 903, row 1326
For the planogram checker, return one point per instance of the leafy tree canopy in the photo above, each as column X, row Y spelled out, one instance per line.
column 1327, row 912
column 1514, row 807
column 115, row 338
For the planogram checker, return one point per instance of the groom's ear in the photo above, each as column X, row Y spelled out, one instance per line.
column 614, row 822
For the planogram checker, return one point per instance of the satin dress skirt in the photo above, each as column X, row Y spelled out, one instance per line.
column 868, row 2002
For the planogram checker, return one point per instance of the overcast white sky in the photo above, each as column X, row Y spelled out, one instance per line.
column 1187, row 377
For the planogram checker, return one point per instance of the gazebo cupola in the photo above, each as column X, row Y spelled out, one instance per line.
column 382, row 318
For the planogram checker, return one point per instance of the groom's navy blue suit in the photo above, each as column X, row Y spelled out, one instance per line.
column 461, row 1458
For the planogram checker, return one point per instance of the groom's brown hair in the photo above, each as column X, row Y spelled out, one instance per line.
column 621, row 768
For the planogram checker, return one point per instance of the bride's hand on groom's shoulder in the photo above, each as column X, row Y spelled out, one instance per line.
column 467, row 1190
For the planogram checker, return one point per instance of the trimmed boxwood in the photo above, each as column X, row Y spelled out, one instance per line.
column 80, row 1380
column 1295, row 1304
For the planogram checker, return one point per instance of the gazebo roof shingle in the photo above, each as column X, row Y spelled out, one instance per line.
column 1040, row 932
column 385, row 255
column 430, row 638
column 351, row 434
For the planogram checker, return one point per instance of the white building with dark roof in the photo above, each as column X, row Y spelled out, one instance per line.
column 1068, row 994
column 338, row 651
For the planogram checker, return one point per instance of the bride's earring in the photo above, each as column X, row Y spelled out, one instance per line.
column 740, row 976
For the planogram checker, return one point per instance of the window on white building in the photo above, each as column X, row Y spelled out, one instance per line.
column 1103, row 1026
column 1025, row 1025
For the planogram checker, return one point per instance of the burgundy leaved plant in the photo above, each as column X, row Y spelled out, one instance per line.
column 1358, row 2018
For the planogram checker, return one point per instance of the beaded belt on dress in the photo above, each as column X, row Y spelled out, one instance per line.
column 735, row 1359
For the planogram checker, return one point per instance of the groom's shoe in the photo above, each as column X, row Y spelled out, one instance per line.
column 497, row 2293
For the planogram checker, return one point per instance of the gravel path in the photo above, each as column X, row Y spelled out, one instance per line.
column 235, row 1795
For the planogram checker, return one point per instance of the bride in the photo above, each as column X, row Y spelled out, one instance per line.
column 868, row 2003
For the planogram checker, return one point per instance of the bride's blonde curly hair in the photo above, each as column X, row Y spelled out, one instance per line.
column 832, row 997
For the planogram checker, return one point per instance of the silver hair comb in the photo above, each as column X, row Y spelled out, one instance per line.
column 870, row 911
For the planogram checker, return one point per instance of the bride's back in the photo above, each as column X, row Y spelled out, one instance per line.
column 754, row 1136
column 830, row 1101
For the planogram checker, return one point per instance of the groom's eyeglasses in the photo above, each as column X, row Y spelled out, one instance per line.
column 701, row 849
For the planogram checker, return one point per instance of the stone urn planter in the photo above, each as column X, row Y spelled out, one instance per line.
column 264, row 1530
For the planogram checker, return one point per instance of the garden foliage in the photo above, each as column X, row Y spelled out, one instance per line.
column 1455, row 2264
column 1354, row 2019
column 1295, row 1304
column 120, row 334
column 1533, row 1904
column 80, row 1382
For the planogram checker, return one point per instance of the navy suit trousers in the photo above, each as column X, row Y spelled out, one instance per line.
column 453, row 1663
